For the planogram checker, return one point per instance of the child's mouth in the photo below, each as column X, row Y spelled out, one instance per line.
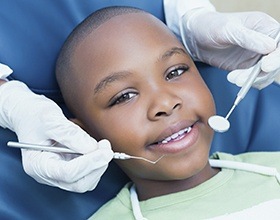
column 178, row 141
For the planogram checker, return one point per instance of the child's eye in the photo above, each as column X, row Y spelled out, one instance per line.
column 124, row 97
column 176, row 72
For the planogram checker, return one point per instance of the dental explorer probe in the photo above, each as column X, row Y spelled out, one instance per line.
column 55, row 149
column 245, row 88
column 221, row 124
column 123, row 156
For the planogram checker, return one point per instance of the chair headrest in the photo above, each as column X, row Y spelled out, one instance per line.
column 32, row 33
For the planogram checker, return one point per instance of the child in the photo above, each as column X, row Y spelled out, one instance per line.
column 128, row 79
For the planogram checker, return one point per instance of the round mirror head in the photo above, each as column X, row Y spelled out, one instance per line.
column 218, row 123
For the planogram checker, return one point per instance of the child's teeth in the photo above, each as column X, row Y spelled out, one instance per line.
column 181, row 132
column 174, row 136
column 168, row 139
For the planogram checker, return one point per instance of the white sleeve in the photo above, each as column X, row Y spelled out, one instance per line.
column 175, row 9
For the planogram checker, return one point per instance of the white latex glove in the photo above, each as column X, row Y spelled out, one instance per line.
column 226, row 40
column 271, row 72
column 5, row 71
column 233, row 41
column 229, row 40
column 38, row 120
column 175, row 9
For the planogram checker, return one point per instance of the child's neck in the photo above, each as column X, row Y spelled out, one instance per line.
column 147, row 189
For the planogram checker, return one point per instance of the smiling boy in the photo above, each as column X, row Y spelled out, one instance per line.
column 128, row 79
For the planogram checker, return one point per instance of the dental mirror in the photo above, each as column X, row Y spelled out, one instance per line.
column 221, row 124
column 218, row 123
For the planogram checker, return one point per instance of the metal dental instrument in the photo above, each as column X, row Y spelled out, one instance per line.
column 221, row 124
column 49, row 148
column 39, row 147
column 123, row 156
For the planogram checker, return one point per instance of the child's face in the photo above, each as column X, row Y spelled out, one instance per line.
column 139, row 87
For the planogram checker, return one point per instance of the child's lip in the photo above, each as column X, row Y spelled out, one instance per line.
column 181, row 142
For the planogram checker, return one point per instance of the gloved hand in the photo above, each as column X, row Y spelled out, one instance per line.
column 69, row 171
column 229, row 40
column 232, row 41
column 38, row 120
column 5, row 71
column 270, row 72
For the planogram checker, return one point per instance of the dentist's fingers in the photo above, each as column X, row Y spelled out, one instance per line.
column 249, row 39
column 68, row 171
column 65, row 132
column 264, row 79
column 271, row 62
column 5, row 71
column 239, row 76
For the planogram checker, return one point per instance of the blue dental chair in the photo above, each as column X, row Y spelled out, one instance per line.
column 31, row 34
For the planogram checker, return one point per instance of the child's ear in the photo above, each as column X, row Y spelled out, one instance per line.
column 78, row 122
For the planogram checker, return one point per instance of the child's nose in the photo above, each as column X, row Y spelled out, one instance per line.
column 163, row 104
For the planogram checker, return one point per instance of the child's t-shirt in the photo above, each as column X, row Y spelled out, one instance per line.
column 231, row 191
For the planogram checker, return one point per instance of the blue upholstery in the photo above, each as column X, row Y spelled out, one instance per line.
column 31, row 34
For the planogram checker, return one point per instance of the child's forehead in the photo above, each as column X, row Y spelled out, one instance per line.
column 126, row 42
column 128, row 31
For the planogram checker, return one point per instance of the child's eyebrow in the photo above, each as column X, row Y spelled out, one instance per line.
column 172, row 51
column 123, row 74
column 109, row 79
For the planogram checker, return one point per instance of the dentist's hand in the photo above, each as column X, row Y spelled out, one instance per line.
column 68, row 171
column 4, row 72
column 233, row 41
column 38, row 120
column 270, row 72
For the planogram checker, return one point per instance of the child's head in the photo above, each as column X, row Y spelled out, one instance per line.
column 127, row 78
